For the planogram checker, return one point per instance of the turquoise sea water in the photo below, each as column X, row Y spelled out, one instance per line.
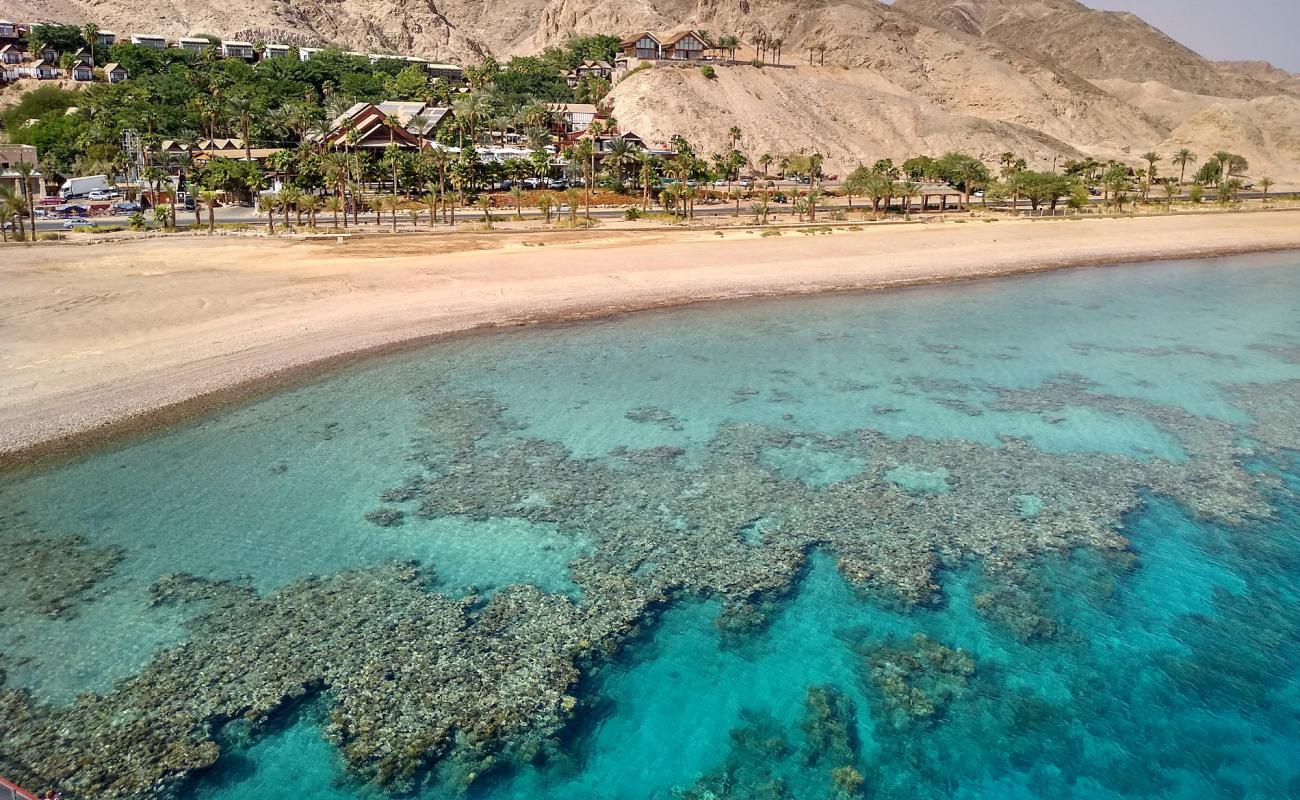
column 1166, row 667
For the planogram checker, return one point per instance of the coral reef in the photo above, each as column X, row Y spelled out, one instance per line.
column 49, row 576
column 916, row 680
column 420, row 681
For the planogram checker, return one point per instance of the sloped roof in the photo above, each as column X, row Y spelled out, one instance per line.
column 113, row 66
column 674, row 38
column 636, row 38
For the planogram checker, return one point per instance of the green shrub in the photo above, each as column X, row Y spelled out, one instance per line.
column 633, row 213
column 47, row 236
column 136, row 221
column 709, row 72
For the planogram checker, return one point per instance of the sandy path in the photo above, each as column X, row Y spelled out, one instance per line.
column 94, row 337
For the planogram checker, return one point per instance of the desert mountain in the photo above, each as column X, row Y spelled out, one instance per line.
column 1091, row 43
column 1049, row 79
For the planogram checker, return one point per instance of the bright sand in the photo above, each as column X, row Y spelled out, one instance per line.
column 100, row 335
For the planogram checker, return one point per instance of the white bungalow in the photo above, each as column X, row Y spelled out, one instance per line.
column 41, row 70
column 149, row 40
column 8, row 30
column 305, row 53
column 194, row 44
column 242, row 50
column 276, row 51
column 115, row 72
column 82, row 71
column 10, row 55
column 105, row 39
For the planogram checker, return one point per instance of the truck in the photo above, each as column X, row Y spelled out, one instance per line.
column 80, row 187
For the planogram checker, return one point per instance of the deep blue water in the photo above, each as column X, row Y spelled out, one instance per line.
column 1169, row 670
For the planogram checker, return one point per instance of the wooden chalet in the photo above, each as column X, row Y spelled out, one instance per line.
column 570, row 118
column 684, row 46
column 364, row 125
column 115, row 72
column 643, row 45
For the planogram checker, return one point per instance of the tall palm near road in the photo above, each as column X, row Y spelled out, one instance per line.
column 1152, row 158
column 266, row 205
column 619, row 157
column 646, row 171
column 777, row 43
column 25, row 170
column 586, row 150
column 729, row 43
column 1224, row 159
column 208, row 198
column 907, row 190
column 334, row 204
column 1265, row 183
column 13, row 206
column 1182, row 159
column 821, row 49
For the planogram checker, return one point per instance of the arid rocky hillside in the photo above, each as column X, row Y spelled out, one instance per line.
column 1048, row 78
column 1091, row 43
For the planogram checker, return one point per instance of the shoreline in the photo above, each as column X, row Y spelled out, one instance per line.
column 102, row 403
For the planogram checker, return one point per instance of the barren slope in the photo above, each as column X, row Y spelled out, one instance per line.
column 1094, row 44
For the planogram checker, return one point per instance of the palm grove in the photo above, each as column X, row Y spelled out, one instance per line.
column 288, row 104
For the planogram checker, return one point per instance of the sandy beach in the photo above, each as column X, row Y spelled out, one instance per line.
column 99, row 339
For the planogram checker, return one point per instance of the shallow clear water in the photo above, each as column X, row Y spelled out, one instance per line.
column 1170, row 670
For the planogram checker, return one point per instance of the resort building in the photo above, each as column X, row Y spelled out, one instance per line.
column 643, row 46
column 449, row 72
column 570, row 118
column 10, row 156
column 365, row 125
column 115, row 72
column 40, row 69
column 149, row 40
column 105, row 39
column 684, row 46
column 10, row 55
column 82, row 71
column 8, row 30
column 242, row 50
column 49, row 54
column 194, row 44
column 276, row 51
column 589, row 69
column 305, row 53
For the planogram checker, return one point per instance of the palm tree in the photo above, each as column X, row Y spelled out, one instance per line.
column 25, row 170
column 13, row 206
column 470, row 109
column 242, row 109
column 309, row 204
column 1181, row 159
column 485, row 205
column 777, row 43
column 821, row 49
column 90, row 32
column 335, row 204
column 1265, row 183
column 765, row 161
column 1152, row 158
column 586, row 150
column 517, row 195
column 733, row 134
column 571, row 197
column 545, row 202
column 907, row 190
column 266, row 204
column 430, row 201
column 618, row 157
column 1171, row 191
column 646, row 163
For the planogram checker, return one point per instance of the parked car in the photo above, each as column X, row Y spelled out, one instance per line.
column 534, row 183
column 557, row 183
column 104, row 194
column 126, row 207
column 72, row 224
